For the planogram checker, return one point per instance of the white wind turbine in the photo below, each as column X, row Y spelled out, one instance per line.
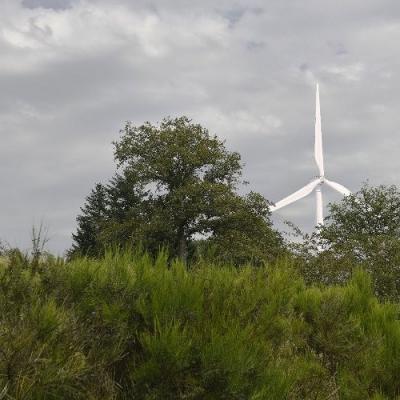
column 320, row 180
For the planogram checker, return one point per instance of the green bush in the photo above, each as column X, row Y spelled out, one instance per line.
column 129, row 327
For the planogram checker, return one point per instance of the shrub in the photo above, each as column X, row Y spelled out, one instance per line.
column 127, row 326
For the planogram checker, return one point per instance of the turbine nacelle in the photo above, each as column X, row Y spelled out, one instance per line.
column 319, row 180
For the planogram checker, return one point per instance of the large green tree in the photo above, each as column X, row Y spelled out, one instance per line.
column 177, row 183
column 362, row 229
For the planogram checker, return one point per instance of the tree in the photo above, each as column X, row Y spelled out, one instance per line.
column 246, row 233
column 178, row 183
column 187, row 168
column 356, row 221
column 363, row 229
column 90, row 221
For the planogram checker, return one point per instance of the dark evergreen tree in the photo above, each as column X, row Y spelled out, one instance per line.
column 93, row 217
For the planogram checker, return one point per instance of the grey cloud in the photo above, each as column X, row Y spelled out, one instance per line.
column 53, row 4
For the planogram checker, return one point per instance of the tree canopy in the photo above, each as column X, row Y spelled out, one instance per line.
column 368, row 216
column 176, row 186
column 361, row 229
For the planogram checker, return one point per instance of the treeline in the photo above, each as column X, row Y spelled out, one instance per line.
column 126, row 326
column 178, row 188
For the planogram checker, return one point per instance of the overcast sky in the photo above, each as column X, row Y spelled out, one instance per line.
column 71, row 73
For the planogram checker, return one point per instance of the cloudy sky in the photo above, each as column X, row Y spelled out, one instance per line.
column 72, row 71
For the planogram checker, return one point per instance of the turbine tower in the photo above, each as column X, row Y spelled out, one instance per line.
column 317, row 183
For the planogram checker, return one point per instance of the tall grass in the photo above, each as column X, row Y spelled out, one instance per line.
column 128, row 327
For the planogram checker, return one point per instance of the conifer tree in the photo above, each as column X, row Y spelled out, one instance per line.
column 93, row 216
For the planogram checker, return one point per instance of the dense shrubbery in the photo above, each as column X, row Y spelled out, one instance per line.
column 127, row 327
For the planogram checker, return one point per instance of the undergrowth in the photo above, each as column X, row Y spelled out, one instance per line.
column 129, row 327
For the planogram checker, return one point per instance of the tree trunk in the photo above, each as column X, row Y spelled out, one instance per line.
column 182, row 246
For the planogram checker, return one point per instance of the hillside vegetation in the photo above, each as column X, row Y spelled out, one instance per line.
column 129, row 327
column 231, row 310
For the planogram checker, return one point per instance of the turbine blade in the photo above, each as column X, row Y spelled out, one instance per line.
column 338, row 187
column 303, row 192
column 319, row 157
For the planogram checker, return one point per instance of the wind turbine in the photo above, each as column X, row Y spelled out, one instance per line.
column 320, row 180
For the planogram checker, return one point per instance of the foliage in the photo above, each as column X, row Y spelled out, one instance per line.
column 176, row 183
column 125, row 326
column 245, row 235
column 90, row 221
column 361, row 230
